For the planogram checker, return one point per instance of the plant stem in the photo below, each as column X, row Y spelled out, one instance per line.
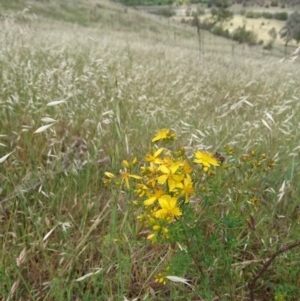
column 251, row 285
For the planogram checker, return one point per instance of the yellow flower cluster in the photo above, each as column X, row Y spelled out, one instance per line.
column 162, row 277
column 163, row 184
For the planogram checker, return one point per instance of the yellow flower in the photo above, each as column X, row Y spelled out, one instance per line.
column 160, row 278
column 141, row 189
column 155, row 157
column 255, row 202
column 129, row 165
column 153, row 197
column 156, row 227
column 169, row 175
column 187, row 188
column 109, row 176
column 187, row 168
column 125, row 178
column 152, row 237
column 279, row 297
column 169, row 209
column 126, row 164
column 149, row 170
column 164, row 134
column 206, row 159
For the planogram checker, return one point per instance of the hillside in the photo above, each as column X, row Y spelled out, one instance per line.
column 218, row 3
column 111, row 15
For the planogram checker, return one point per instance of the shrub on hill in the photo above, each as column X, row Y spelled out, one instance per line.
column 218, row 30
column 267, row 15
column 283, row 16
column 274, row 3
column 253, row 15
column 272, row 33
column 242, row 35
column 206, row 24
column 242, row 12
column 164, row 11
column 269, row 45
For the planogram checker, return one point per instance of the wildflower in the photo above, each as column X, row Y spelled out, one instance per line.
column 141, row 189
column 125, row 178
column 151, row 169
column 154, row 197
column 164, row 230
column 180, row 152
column 245, row 158
column 164, row 134
column 131, row 164
column 187, row 188
column 126, row 164
column 187, row 168
column 257, row 163
column 167, row 161
column 142, row 217
column 229, row 150
column 156, row 227
column 279, row 297
column 160, row 278
column 151, row 181
column 271, row 163
column 255, row 202
column 152, row 237
column 263, row 156
column 169, row 175
column 109, row 176
column 203, row 188
column 154, row 158
column 169, row 209
column 206, row 159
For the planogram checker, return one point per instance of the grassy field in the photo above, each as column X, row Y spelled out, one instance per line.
column 84, row 86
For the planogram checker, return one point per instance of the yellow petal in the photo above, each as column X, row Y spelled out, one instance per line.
column 176, row 211
column 161, row 213
column 164, row 201
column 126, row 164
column 174, row 167
column 150, row 201
column 162, row 179
column 135, row 177
column 158, row 152
column 164, row 169
column 174, row 184
column 109, row 174
column 151, row 236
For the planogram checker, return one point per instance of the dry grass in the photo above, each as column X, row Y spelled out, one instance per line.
column 259, row 26
column 121, row 79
